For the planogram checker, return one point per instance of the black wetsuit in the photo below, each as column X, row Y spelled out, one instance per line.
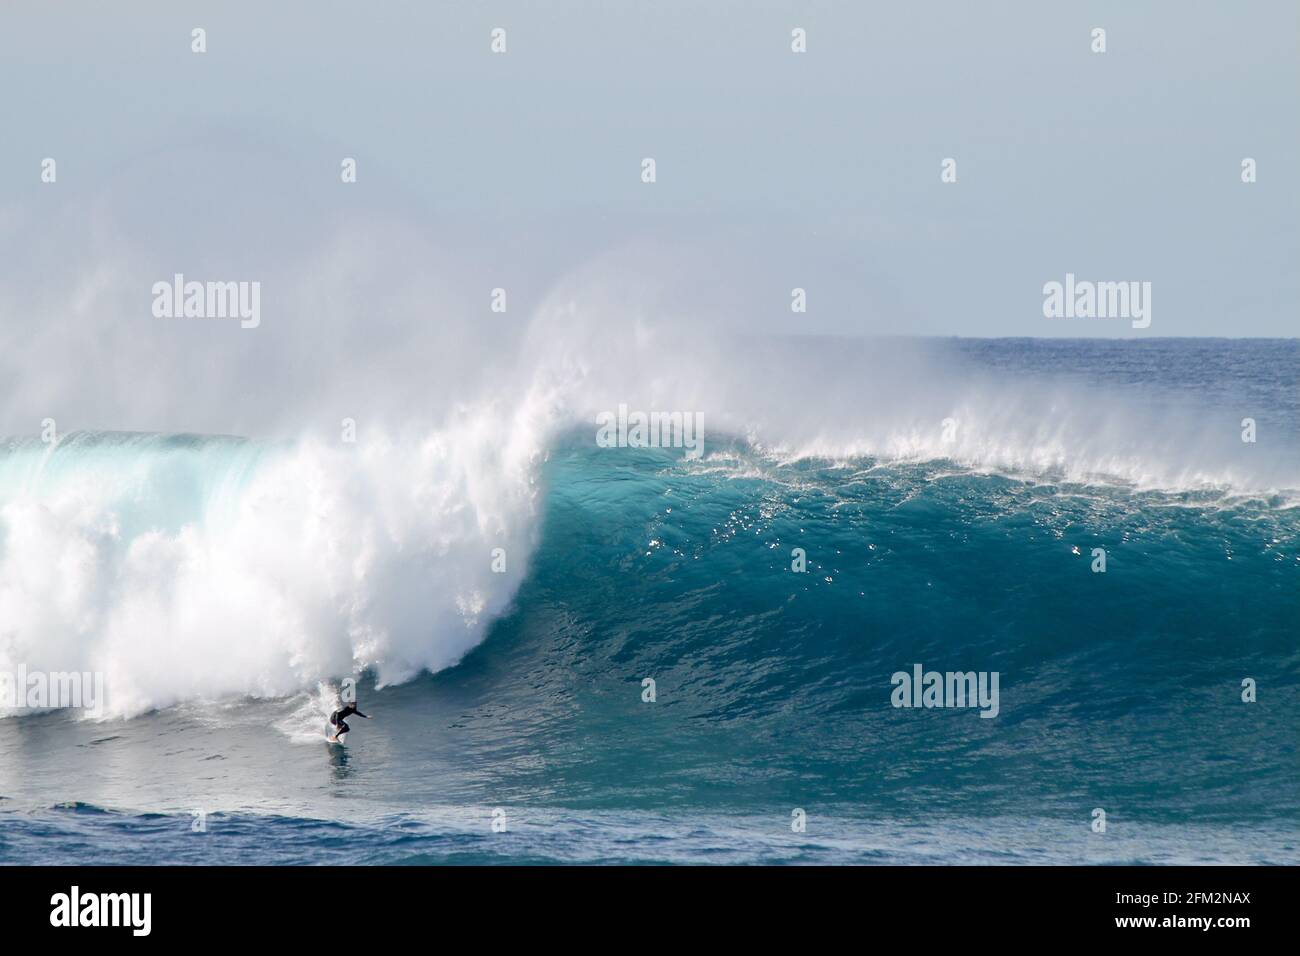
column 339, row 719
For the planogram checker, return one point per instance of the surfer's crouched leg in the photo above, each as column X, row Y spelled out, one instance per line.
column 341, row 728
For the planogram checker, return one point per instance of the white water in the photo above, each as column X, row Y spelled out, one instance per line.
column 320, row 560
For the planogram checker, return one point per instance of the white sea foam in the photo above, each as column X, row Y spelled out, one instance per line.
column 148, row 566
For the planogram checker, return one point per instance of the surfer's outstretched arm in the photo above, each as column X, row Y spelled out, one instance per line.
column 359, row 714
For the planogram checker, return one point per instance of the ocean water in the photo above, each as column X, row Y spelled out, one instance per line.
column 225, row 586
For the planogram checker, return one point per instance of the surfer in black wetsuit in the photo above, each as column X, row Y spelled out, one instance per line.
column 338, row 719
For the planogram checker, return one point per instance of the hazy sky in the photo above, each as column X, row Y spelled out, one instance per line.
column 775, row 169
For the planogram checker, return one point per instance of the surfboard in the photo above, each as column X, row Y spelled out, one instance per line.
column 330, row 737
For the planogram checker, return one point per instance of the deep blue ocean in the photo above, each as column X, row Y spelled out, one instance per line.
column 1119, row 690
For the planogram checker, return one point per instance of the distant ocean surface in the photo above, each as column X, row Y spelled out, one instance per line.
column 1120, row 691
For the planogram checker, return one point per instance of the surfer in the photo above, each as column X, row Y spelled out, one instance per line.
column 338, row 720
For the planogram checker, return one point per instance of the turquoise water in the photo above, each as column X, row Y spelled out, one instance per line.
column 1119, row 690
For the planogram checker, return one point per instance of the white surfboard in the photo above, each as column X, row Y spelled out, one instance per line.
column 330, row 737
